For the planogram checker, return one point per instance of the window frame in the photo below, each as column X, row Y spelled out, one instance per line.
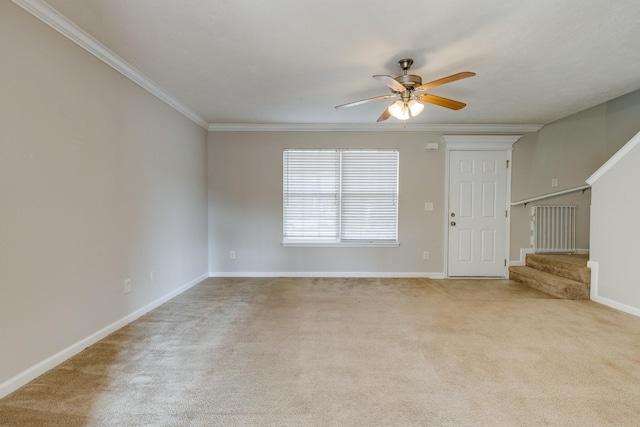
column 392, row 199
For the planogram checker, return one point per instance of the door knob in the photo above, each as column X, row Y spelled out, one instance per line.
column 453, row 214
column 453, row 223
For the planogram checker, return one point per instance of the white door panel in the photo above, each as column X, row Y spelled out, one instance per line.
column 477, row 207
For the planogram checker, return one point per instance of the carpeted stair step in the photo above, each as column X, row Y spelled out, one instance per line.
column 559, row 287
column 572, row 267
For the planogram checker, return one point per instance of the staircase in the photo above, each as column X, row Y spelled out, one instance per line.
column 560, row 275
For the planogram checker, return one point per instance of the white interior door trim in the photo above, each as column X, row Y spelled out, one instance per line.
column 478, row 143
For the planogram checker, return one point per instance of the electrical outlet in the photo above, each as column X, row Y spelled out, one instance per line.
column 152, row 276
column 554, row 182
column 232, row 254
column 428, row 206
column 127, row 286
column 425, row 255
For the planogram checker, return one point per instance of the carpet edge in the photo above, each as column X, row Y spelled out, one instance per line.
column 31, row 373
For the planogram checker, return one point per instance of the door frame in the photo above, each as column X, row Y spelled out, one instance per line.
column 479, row 143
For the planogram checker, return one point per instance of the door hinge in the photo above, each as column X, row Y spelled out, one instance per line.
column 506, row 214
column 505, row 262
column 507, row 164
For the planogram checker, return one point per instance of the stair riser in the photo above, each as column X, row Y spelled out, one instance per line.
column 554, row 288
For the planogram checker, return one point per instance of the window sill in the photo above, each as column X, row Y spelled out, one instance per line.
column 343, row 245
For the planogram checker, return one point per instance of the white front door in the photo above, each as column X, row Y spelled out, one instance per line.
column 477, row 220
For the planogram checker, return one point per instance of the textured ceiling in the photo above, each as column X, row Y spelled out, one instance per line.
column 286, row 61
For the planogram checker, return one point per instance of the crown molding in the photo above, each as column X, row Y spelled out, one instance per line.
column 64, row 26
column 372, row 127
column 41, row 10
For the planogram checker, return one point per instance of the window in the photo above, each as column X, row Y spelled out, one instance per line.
column 340, row 197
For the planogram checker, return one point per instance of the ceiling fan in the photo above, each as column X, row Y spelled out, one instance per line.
column 410, row 89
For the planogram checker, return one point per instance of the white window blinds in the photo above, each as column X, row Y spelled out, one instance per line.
column 340, row 196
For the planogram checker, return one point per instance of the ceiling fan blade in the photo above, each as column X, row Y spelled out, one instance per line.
column 446, row 80
column 384, row 116
column 443, row 102
column 391, row 82
column 364, row 101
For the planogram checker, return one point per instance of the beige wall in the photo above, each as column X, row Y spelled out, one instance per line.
column 615, row 206
column 245, row 209
column 614, row 234
column 245, row 205
column 99, row 181
column 570, row 149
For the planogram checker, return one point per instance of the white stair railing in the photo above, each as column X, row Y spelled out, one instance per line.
column 582, row 188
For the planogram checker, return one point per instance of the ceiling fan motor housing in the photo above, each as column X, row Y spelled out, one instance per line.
column 408, row 80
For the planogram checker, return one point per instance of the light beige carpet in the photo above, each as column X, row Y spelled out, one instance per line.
column 350, row 352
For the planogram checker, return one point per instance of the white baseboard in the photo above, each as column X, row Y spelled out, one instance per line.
column 594, row 266
column 593, row 284
column 40, row 368
column 349, row 274
column 618, row 306
column 523, row 257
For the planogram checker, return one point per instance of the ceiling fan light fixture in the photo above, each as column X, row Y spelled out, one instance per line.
column 402, row 110
column 415, row 107
column 399, row 110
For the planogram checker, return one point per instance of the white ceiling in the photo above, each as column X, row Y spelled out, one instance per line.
column 292, row 61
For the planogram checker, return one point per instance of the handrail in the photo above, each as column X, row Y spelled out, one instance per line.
column 582, row 188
